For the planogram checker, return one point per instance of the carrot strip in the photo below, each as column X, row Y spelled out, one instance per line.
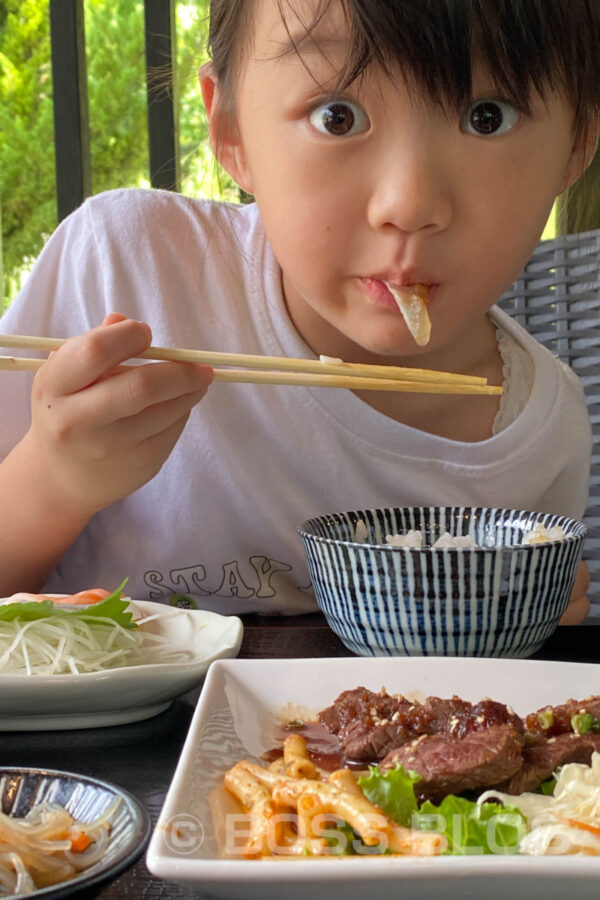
column 576, row 823
column 79, row 841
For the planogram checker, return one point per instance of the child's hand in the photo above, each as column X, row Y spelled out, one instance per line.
column 579, row 604
column 98, row 433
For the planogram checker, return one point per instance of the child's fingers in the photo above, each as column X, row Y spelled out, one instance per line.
column 130, row 432
column 142, row 387
column 152, row 452
column 576, row 611
column 579, row 604
column 582, row 581
column 84, row 359
column 112, row 318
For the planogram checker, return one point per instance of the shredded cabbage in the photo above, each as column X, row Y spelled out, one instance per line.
column 568, row 821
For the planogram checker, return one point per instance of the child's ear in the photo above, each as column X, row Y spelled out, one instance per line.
column 584, row 150
column 223, row 133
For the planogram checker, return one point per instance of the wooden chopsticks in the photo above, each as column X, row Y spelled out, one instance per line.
column 279, row 370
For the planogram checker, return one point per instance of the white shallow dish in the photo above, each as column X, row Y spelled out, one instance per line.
column 240, row 705
column 127, row 694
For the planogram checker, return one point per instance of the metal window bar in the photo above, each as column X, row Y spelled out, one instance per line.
column 161, row 86
column 71, row 124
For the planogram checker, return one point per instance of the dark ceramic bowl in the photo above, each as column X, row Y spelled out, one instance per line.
column 500, row 598
column 21, row 790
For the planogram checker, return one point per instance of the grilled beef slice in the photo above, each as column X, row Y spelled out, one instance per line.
column 367, row 724
column 450, row 742
column 541, row 758
column 451, row 764
column 455, row 745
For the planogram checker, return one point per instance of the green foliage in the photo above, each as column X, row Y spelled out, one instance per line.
column 116, row 79
column 27, row 192
column 200, row 176
column 116, row 92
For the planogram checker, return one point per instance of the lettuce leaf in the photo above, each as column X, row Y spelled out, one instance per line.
column 471, row 827
column 111, row 607
column 547, row 787
column 393, row 791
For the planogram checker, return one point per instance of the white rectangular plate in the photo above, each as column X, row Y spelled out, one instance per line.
column 240, row 705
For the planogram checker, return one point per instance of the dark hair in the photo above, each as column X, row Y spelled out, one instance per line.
column 541, row 45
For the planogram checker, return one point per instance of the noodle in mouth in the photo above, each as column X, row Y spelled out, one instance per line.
column 412, row 302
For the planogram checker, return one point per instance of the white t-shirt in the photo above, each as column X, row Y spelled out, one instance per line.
column 219, row 521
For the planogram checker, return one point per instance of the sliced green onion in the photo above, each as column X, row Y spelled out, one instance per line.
column 582, row 723
column 546, row 718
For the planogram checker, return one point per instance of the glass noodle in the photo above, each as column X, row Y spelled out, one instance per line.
column 49, row 846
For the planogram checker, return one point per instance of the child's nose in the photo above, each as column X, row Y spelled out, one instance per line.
column 411, row 193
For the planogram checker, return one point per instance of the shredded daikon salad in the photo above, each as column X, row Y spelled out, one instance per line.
column 48, row 846
column 47, row 637
column 568, row 821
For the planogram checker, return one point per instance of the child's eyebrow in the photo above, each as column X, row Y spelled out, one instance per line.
column 311, row 42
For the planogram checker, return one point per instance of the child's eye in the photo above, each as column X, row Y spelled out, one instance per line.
column 339, row 118
column 485, row 117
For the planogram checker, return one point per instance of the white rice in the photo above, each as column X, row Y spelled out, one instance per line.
column 541, row 535
column 413, row 539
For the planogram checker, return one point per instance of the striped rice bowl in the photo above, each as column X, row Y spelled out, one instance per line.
column 498, row 591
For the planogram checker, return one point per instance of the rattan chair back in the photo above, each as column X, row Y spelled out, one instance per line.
column 557, row 299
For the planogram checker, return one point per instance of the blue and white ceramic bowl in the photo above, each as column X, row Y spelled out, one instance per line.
column 501, row 598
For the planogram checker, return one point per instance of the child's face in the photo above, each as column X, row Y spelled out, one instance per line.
column 376, row 186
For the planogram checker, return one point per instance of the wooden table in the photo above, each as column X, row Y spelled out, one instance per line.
column 142, row 757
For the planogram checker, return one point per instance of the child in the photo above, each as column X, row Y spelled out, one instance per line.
column 401, row 144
